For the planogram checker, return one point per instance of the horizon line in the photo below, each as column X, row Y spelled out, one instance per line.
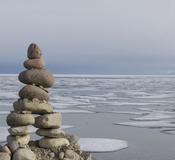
column 97, row 75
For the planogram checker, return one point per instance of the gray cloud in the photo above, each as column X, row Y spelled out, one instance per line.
column 90, row 36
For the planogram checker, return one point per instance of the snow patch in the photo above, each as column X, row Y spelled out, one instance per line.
column 102, row 144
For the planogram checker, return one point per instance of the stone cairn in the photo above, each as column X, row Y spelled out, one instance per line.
column 34, row 99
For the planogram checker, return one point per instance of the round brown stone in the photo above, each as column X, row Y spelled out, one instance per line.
column 34, row 63
column 34, row 51
column 30, row 92
column 39, row 77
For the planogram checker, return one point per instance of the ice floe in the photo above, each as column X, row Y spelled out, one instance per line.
column 73, row 111
column 102, row 144
column 155, row 116
column 127, row 112
column 130, row 103
column 4, row 112
column 168, row 131
column 148, row 124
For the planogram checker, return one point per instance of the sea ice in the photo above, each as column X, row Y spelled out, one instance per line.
column 72, row 111
column 127, row 112
column 3, row 133
column 155, row 116
column 168, row 131
column 4, row 112
column 130, row 103
column 148, row 124
column 102, row 144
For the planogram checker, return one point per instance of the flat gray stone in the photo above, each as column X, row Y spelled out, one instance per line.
column 52, row 120
column 19, row 131
column 52, row 133
column 53, row 143
column 35, row 106
column 34, row 63
column 16, row 119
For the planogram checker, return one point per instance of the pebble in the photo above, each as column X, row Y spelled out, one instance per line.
column 34, row 51
column 61, row 155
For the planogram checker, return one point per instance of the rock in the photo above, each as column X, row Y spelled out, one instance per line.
column 19, row 131
column 53, row 120
column 34, row 106
column 22, row 112
column 5, row 149
column 34, row 63
column 16, row 119
column 13, row 146
column 53, row 143
column 73, row 139
column 21, row 140
column 51, row 154
column 71, row 155
column 39, row 77
column 34, row 52
column 24, row 154
column 61, row 155
column 31, row 92
column 16, row 142
column 52, row 133
column 4, row 156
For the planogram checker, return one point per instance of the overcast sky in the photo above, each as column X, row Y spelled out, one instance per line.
column 90, row 36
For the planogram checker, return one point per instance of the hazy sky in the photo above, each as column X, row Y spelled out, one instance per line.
column 90, row 36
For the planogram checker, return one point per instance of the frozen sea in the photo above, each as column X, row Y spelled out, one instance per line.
column 136, row 109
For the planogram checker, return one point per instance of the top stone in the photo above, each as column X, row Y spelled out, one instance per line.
column 34, row 52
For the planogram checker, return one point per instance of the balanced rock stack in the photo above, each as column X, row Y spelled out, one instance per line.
column 34, row 99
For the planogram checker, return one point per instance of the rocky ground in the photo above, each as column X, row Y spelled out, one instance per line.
column 71, row 152
column 66, row 153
